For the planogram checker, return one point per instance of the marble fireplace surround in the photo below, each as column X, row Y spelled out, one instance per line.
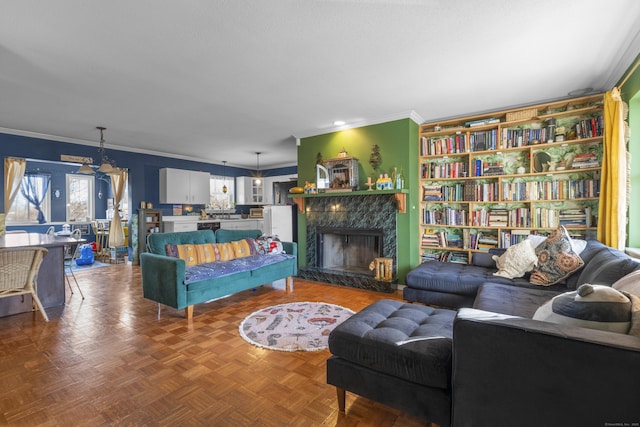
column 360, row 210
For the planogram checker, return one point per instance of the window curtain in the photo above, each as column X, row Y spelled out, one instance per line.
column 612, row 210
column 13, row 173
column 116, row 233
column 29, row 189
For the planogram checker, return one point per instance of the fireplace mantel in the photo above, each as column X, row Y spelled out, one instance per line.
column 400, row 195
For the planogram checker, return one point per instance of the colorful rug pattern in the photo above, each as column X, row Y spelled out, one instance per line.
column 299, row 326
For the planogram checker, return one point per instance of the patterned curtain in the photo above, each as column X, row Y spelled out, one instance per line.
column 614, row 185
column 116, row 233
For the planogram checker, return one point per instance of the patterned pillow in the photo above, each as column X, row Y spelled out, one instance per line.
column 556, row 259
column 192, row 254
column 266, row 244
column 243, row 248
column 224, row 251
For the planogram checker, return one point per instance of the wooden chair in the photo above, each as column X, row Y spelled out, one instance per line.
column 19, row 271
column 70, row 255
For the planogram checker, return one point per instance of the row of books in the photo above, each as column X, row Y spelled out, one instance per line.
column 445, row 216
column 551, row 218
column 523, row 137
column 437, row 170
column 446, row 256
column 518, row 217
column 444, row 145
column 484, row 140
column 590, row 128
column 469, row 191
column 551, row 190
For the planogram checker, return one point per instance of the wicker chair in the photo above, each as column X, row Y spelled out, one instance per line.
column 19, row 271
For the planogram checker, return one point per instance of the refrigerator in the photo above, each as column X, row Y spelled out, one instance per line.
column 280, row 220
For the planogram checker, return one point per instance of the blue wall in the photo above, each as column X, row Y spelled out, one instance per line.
column 144, row 169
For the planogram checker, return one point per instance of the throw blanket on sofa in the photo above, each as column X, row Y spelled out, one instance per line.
column 212, row 270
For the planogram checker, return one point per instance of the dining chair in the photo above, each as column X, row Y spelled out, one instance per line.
column 51, row 231
column 19, row 273
column 70, row 255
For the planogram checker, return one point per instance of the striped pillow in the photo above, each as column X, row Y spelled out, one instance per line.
column 193, row 254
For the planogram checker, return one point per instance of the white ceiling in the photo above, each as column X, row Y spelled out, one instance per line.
column 220, row 80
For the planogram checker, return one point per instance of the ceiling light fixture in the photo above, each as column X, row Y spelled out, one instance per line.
column 107, row 166
column 257, row 175
column 224, row 176
column 339, row 122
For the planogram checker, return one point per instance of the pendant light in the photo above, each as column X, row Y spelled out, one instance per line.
column 224, row 176
column 258, row 175
column 107, row 166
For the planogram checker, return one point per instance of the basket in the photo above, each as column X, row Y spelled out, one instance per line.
column 521, row 115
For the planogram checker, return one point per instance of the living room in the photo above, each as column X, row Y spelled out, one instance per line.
column 117, row 358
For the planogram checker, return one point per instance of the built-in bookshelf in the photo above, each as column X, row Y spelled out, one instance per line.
column 490, row 181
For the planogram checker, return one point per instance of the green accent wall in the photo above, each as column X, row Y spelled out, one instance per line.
column 398, row 145
column 631, row 95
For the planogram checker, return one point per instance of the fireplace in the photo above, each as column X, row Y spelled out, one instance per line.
column 348, row 249
column 344, row 233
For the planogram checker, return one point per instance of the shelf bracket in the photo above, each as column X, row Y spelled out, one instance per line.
column 300, row 202
column 401, row 200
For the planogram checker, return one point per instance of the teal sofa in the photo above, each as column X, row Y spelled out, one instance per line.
column 168, row 280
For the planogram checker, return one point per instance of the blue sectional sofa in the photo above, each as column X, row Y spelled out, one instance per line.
column 169, row 281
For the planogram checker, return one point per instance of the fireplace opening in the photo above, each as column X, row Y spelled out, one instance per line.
column 348, row 249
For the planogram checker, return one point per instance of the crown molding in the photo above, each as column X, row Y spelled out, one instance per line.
column 390, row 118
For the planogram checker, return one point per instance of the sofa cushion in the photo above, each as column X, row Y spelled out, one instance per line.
column 556, row 259
column 404, row 340
column 454, row 278
column 245, row 266
column 517, row 260
column 604, row 265
column 512, row 300
column 224, row 235
column 156, row 242
column 591, row 306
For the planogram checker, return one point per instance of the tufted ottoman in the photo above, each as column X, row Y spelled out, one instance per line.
column 398, row 354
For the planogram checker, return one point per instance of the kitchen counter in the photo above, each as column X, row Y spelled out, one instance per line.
column 190, row 223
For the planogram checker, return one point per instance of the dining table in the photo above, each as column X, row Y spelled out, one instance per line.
column 51, row 277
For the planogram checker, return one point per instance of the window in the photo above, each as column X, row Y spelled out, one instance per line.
column 218, row 199
column 80, row 197
column 24, row 212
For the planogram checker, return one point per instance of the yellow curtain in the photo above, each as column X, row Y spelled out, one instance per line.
column 612, row 211
column 13, row 173
column 116, row 233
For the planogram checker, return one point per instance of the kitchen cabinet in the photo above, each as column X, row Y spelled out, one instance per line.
column 250, row 190
column 242, row 224
column 181, row 186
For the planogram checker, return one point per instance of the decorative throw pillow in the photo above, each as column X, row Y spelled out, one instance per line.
column 577, row 245
column 266, row 244
column 225, row 251
column 556, row 259
column 192, row 254
column 591, row 306
column 516, row 261
column 243, row 248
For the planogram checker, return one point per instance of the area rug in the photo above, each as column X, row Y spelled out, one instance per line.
column 299, row 326
column 96, row 264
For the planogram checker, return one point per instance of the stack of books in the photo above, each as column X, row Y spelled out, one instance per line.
column 585, row 160
column 431, row 193
column 498, row 218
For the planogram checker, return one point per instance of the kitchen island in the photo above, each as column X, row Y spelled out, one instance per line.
column 50, row 285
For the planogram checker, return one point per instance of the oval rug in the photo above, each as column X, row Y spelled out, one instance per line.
column 298, row 326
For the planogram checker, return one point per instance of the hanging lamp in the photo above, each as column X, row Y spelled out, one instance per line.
column 257, row 175
column 107, row 166
column 224, row 176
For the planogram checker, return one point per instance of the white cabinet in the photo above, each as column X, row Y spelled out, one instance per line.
column 173, row 226
column 181, row 186
column 249, row 190
column 242, row 224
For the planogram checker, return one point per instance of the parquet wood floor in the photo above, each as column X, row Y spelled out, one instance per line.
column 108, row 360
